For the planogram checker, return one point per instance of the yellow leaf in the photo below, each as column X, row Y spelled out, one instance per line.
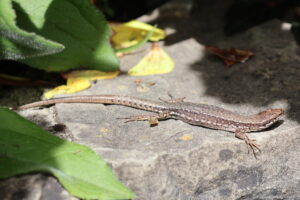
column 133, row 32
column 91, row 74
column 78, row 81
column 158, row 34
column 156, row 61
column 73, row 85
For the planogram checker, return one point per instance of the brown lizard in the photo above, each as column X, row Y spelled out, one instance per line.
column 196, row 114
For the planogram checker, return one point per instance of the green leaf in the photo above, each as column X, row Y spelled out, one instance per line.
column 16, row 43
column 25, row 147
column 74, row 24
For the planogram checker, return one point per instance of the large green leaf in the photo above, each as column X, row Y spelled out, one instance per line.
column 25, row 147
column 74, row 24
column 16, row 43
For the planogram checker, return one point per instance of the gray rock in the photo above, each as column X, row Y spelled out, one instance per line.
column 157, row 162
column 33, row 187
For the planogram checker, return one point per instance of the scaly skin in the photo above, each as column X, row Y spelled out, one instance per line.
column 196, row 114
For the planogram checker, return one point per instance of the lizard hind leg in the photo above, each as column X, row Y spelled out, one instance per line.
column 249, row 142
column 172, row 99
column 152, row 119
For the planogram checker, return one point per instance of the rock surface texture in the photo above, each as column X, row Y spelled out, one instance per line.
column 160, row 162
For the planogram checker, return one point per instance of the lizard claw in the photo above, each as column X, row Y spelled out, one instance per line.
column 153, row 120
column 252, row 144
column 128, row 119
column 133, row 118
column 249, row 142
column 172, row 99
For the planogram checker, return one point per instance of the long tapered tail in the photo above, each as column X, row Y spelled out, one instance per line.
column 134, row 102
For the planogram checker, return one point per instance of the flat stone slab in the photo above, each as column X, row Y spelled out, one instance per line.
column 175, row 160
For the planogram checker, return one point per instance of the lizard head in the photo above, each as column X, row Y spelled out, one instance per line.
column 269, row 117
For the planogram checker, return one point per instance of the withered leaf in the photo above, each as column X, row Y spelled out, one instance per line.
column 231, row 56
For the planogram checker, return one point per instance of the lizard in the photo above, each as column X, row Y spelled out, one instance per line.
column 204, row 115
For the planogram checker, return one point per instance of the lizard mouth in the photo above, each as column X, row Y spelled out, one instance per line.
column 277, row 113
column 271, row 122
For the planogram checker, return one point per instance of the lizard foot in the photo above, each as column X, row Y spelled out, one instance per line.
column 172, row 99
column 152, row 119
column 249, row 142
